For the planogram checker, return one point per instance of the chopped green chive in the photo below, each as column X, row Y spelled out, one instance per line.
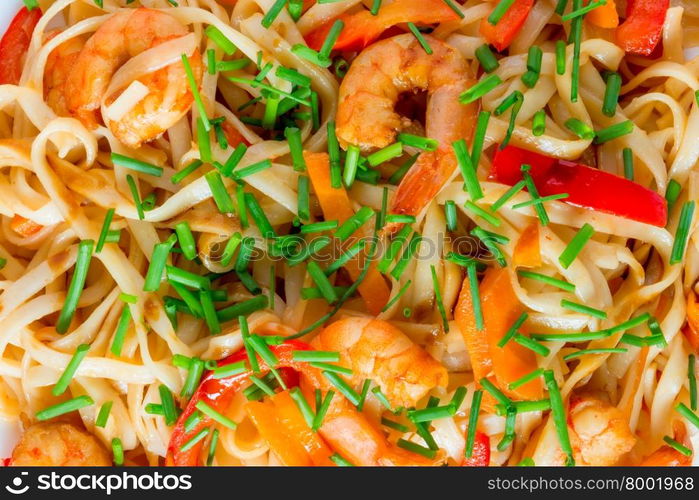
column 494, row 391
column 473, row 422
column 219, row 192
column 136, row 198
column 483, row 213
column 196, row 368
column 302, row 405
column 242, row 308
column 486, row 58
column 406, row 256
column 563, row 285
column 304, row 210
column 195, row 92
column 210, row 317
column 225, row 371
column 468, row 170
column 421, row 39
column 509, row 194
column 438, row 299
column 560, row 57
column 105, row 230
column 692, row 376
column 179, row 176
column 343, row 387
column 293, row 136
column 585, row 352
column 433, row 413
column 168, row 402
column 416, row 448
column 480, row 89
column 339, row 461
column 583, row 10
column 258, row 215
column 576, row 38
column 329, row 42
column 345, row 257
column 103, row 415
column 71, row 368
column 682, row 233
column 491, row 241
column 541, row 200
column 539, row 123
column 678, row 446
column 580, row 129
column 534, row 59
column 570, row 337
column 136, row 165
column 322, row 410
column 316, row 356
column 234, row 65
column 383, row 155
column 64, row 407
column 673, row 193
column 77, row 282
column 334, row 155
column 559, row 415
column 531, row 344
column 187, row 278
column 499, row 11
column 573, row 249
column 354, row 223
column 614, row 132
column 682, row 410
column 272, row 13
column 199, row 436
column 581, row 308
column 513, row 330
column 509, row 434
column 526, row 379
column 186, row 240
column 251, row 169
column 475, row 296
column 117, row 452
column 310, row 55
column 394, row 425
column 611, row 94
column 416, row 141
column 120, row 333
column 322, row 282
column 220, row 39
column 351, row 164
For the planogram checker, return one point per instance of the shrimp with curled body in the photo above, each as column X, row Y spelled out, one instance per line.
column 366, row 114
column 59, row 444
column 375, row 349
column 599, row 432
column 123, row 36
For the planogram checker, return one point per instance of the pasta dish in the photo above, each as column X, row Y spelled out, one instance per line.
column 349, row 233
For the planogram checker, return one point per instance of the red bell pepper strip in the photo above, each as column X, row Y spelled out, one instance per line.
column 640, row 33
column 14, row 44
column 502, row 34
column 218, row 393
column 361, row 28
column 586, row 186
column 480, row 457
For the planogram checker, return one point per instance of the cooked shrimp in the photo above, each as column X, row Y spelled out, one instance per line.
column 58, row 444
column 599, row 432
column 125, row 35
column 59, row 66
column 377, row 350
column 369, row 92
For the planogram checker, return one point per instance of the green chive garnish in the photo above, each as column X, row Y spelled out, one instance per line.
column 614, row 132
column 157, row 264
column 559, row 415
column 322, row 410
column 339, row 461
column 343, row 387
column 585, row 352
column 120, row 333
column 329, row 42
column 485, row 56
column 531, row 344
column 473, row 422
column 678, row 446
column 179, row 176
column 539, row 123
column 682, row 233
column 64, row 407
column 242, row 308
column 627, row 155
column 480, row 89
column 499, row 11
column 136, row 165
column 563, row 285
column 195, row 92
column 421, row 39
column 583, row 10
column 468, row 170
column 581, row 308
column 580, row 129
column 302, row 405
column 77, row 282
column 196, row 368
column 576, row 38
column 682, row 410
column 272, row 13
column 220, row 39
column 186, row 240
column 71, row 368
column 219, row 192
column 560, row 57
column 513, row 330
column 611, row 94
column 438, row 299
column 479, row 138
column 692, row 376
column 526, row 379
column 573, row 249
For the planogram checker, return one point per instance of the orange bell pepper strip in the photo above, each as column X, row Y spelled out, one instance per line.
column 501, row 308
column 691, row 330
column 24, row 227
column 14, row 44
column 361, row 28
column 336, row 205
column 640, row 33
column 504, row 32
column 527, row 251
column 280, row 422
column 604, row 16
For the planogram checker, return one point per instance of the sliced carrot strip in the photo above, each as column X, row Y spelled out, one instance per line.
column 604, row 16
column 527, row 251
column 336, row 205
column 24, row 227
